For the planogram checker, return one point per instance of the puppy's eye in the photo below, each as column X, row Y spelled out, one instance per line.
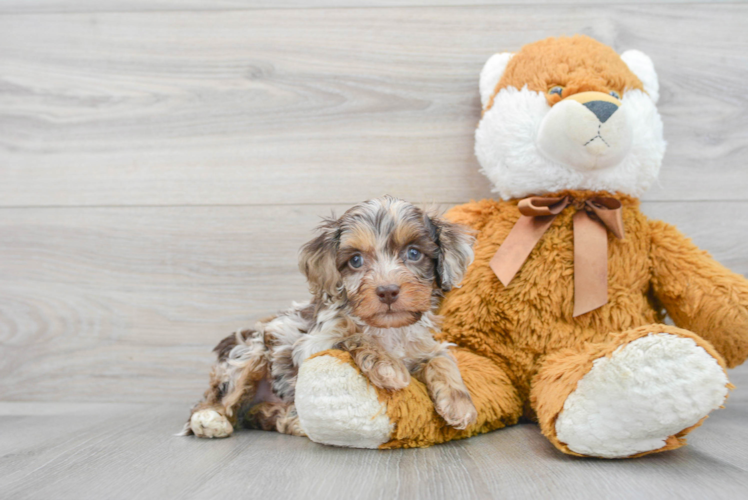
column 356, row 261
column 615, row 94
column 414, row 254
column 558, row 90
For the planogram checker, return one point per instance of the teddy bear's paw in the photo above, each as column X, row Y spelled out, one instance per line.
column 457, row 409
column 338, row 406
column 646, row 392
column 210, row 424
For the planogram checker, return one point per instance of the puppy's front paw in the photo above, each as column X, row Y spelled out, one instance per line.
column 210, row 424
column 391, row 375
column 457, row 409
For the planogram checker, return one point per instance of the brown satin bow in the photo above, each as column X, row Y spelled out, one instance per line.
column 590, row 244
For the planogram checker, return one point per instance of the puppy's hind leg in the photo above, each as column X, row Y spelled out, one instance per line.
column 242, row 364
column 280, row 417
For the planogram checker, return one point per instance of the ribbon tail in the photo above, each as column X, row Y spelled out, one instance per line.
column 517, row 246
column 609, row 211
column 590, row 264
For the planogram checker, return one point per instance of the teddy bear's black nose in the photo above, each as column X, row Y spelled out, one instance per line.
column 602, row 109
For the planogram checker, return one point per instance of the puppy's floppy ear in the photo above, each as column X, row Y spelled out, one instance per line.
column 455, row 253
column 317, row 260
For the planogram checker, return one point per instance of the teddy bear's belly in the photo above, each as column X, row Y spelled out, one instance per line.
column 532, row 316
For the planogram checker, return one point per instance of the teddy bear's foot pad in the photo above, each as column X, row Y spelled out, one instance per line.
column 633, row 401
column 337, row 406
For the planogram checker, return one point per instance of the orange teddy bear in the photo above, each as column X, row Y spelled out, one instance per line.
column 559, row 317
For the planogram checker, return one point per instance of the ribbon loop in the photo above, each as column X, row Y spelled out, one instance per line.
column 593, row 219
column 610, row 213
column 538, row 207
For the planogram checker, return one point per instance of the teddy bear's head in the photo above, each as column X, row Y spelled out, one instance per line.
column 569, row 113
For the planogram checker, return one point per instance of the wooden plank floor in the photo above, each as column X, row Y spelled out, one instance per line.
column 161, row 162
column 126, row 451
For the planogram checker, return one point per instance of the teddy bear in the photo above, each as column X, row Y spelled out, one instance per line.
column 560, row 318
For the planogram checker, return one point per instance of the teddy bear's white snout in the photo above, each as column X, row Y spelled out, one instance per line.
column 586, row 132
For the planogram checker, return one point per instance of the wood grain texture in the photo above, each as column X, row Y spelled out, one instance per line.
column 119, row 451
column 67, row 6
column 326, row 105
column 124, row 304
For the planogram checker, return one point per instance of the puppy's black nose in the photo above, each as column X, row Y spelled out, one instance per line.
column 602, row 109
column 388, row 294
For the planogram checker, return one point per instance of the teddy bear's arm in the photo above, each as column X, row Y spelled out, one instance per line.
column 700, row 294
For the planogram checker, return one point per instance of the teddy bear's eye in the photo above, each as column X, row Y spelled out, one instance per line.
column 558, row 90
column 615, row 94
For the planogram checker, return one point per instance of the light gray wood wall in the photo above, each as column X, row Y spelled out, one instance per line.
column 161, row 162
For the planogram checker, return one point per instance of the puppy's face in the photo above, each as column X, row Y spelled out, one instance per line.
column 387, row 259
column 387, row 263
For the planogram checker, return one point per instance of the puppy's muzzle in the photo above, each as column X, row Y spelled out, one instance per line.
column 388, row 294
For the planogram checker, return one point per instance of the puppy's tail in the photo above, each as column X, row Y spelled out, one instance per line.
column 186, row 430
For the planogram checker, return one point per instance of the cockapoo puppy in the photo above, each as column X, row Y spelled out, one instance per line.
column 376, row 275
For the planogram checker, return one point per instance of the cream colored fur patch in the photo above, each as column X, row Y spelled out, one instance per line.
column 337, row 406
column 648, row 390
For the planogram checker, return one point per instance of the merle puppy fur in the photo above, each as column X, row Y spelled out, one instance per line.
column 376, row 276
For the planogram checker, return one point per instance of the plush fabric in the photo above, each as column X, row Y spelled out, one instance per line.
column 327, row 382
column 520, row 142
column 614, row 382
column 574, row 63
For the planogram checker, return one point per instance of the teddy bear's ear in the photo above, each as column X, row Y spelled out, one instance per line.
column 491, row 74
column 641, row 65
